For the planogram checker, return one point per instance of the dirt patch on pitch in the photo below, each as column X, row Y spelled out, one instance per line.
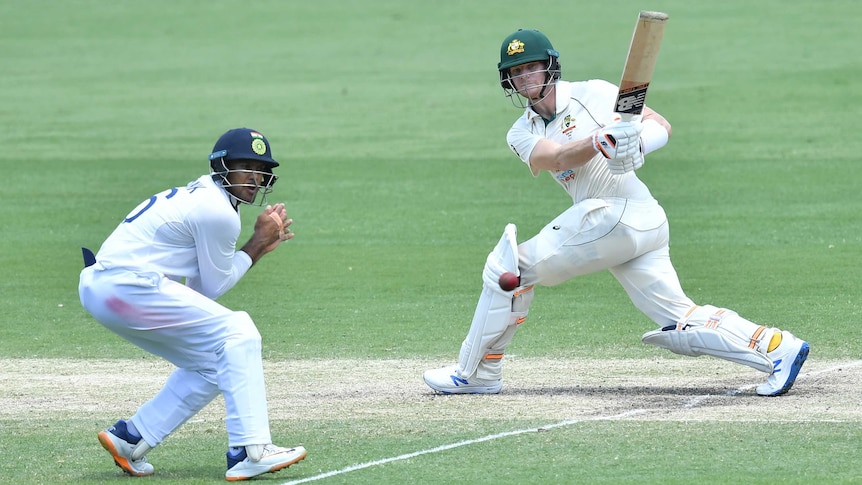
column 545, row 389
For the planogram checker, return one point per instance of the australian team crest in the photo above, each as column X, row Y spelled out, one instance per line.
column 569, row 125
column 515, row 47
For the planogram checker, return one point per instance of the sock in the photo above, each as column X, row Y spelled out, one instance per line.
column 132, row 430
column 236, row 450
column 775, row 341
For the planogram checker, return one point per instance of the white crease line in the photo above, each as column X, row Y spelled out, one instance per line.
column 831, row 369
column 464, row 443
column 699, row 399
column 690, row 404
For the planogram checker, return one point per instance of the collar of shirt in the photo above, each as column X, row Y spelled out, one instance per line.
column 210, row 181
column 562, row 92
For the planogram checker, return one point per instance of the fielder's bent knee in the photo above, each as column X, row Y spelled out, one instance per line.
column 242, row 328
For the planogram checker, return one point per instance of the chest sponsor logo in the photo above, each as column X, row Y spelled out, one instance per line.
column 566, row 176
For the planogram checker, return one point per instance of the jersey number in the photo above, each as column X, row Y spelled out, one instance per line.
column 150, row 203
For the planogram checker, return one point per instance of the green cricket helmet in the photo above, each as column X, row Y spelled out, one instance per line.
column 523, row 46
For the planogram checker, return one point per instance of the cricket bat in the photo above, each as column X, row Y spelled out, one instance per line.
column 640, row 62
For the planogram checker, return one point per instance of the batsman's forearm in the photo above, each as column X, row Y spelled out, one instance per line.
column 549, row 155
column 579, row 153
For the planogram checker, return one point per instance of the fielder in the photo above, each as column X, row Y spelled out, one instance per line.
column 569, row 129
column 154, row 282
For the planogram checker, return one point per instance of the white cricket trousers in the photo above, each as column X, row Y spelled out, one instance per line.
column 630, row 238
column 216, row 350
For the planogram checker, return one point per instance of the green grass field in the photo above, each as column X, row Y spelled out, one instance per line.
column 389, row 123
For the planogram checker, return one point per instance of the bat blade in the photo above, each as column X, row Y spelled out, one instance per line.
column 640, row 63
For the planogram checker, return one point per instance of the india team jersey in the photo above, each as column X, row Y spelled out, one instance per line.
column 582, row 108
column 185, row 232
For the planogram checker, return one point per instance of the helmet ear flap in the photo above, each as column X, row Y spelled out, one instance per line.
column 219, row 166
column 554, row 67
column 506, row 80
column 269, row 178
column 216, row 159
column 219, row 171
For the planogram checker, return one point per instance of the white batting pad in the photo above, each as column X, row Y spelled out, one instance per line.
column 699, row 341
column 489, row 322
column 504, row 257
column 493, row 311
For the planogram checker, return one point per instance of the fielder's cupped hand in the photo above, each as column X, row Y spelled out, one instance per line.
column 274, row 218
column 619, row 140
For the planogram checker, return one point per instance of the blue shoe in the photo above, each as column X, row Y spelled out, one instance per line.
column 787, row 360
column 123, row 447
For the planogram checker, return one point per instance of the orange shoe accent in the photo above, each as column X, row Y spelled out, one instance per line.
column 119, row 460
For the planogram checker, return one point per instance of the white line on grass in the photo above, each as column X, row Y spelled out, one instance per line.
column 690, row 404
column 464, row 443
column 699, row 399
column 829, row 370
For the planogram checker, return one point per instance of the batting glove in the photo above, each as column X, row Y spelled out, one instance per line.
column 619, row 140
column 619, row 166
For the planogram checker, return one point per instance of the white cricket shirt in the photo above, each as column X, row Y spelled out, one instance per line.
column 582, row 108
column 185, row 232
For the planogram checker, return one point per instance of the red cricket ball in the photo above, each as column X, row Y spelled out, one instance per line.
column 509, row 281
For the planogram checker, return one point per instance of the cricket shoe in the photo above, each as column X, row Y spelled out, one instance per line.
column 448, row 381
column 787, row 359
column 122, row 446
column 272, row 459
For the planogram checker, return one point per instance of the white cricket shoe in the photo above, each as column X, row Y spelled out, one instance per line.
column 786, row 359
column 121, row 445
column 272, row 459
column 447, row 381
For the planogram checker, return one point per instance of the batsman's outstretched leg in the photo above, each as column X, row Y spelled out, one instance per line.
column 722, row 333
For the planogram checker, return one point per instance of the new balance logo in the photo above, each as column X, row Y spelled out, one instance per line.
column 775, row 365
column 457, row 380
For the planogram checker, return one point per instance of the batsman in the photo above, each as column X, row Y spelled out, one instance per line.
column 572, row 131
